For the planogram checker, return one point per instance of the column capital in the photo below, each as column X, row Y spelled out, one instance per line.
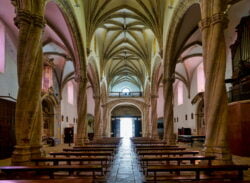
column 80, row 79
column 26, row 17
column 214, row 19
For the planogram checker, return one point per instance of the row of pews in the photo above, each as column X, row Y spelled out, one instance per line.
column 88, row 163
column 161, row 162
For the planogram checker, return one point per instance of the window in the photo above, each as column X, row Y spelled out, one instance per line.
column 200, row 78
column 47, row 81
column 2, row 48
column 70, row 92
column 180, row 93
column 125, row 90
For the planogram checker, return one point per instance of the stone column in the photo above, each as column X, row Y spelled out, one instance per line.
column 147, row 125
column 105, row 121
column 213, row 24
column 81, row 136
column 169, row 137
column 98, row 121
column 28, row 124
column 154, row 116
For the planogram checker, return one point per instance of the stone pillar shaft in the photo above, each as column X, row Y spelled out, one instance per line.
column 97, row 125
column 81, row 136
column 154, row 116
column 215, row 99
column 29, row 66
column 168, row 112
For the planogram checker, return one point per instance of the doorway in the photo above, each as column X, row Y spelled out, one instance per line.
column 7, row 128
column 126, row 126
column 68, row 135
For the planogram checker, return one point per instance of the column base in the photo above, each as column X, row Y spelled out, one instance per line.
column 21, row 155
column 223, row 156
column 36, row 151
column 155, row 136
column 81, row 141
column 98, row 137
column 170, row 140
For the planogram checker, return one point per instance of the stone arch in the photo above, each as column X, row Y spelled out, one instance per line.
column 198, row 100
column 142, row 106
column 49, row 109
column 77, row 53
column 169, row 58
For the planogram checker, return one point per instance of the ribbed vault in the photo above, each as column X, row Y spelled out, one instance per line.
column 124, row 35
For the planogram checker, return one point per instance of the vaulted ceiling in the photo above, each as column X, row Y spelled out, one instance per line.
column 124, row 36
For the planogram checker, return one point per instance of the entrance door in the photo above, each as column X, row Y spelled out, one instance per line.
column 115, row 127
column 68, row 135
column 7, row 128
column 138, row 128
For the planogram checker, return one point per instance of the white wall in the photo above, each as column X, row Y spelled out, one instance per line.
column 90, row 101
column 69, row 109
column 160, row 103
column 8, row 79
column 186, row 108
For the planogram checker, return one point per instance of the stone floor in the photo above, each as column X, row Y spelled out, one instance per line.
column 125, row 168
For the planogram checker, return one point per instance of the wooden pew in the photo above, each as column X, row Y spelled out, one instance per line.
column 82, row 180
column 87, row 150
column 168, row 153
column 56, row 160
column 50, row 170
column 95, row 146
column 153, row 145
column 197, row 169
column 192, row 159
column 160, row 149
column 99, row 153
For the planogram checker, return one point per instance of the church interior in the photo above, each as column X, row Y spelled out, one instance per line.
column 124, row 91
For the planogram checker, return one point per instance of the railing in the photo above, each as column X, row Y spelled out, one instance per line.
column 125, row 94
column 237, row 95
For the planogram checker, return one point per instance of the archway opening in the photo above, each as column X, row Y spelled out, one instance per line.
column 126, row 121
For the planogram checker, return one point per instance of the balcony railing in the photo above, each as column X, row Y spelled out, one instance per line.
column 125, row 94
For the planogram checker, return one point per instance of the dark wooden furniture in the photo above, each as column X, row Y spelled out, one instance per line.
column 50, row 170
column 192, row 159
column 168, row 153
column 82, row 180
column 198, row 169
column 56, row 160
column 99, row 153
column 161, row 149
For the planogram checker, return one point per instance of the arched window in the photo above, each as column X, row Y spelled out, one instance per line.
column 2, row 47
column 125, row 90
column 70, row 87
column 47, row 81
column 180, row 93
column 200, row 78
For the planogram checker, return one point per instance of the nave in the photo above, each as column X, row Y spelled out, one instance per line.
column 126, row 160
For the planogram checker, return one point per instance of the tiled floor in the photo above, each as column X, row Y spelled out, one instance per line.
column 125, row 168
